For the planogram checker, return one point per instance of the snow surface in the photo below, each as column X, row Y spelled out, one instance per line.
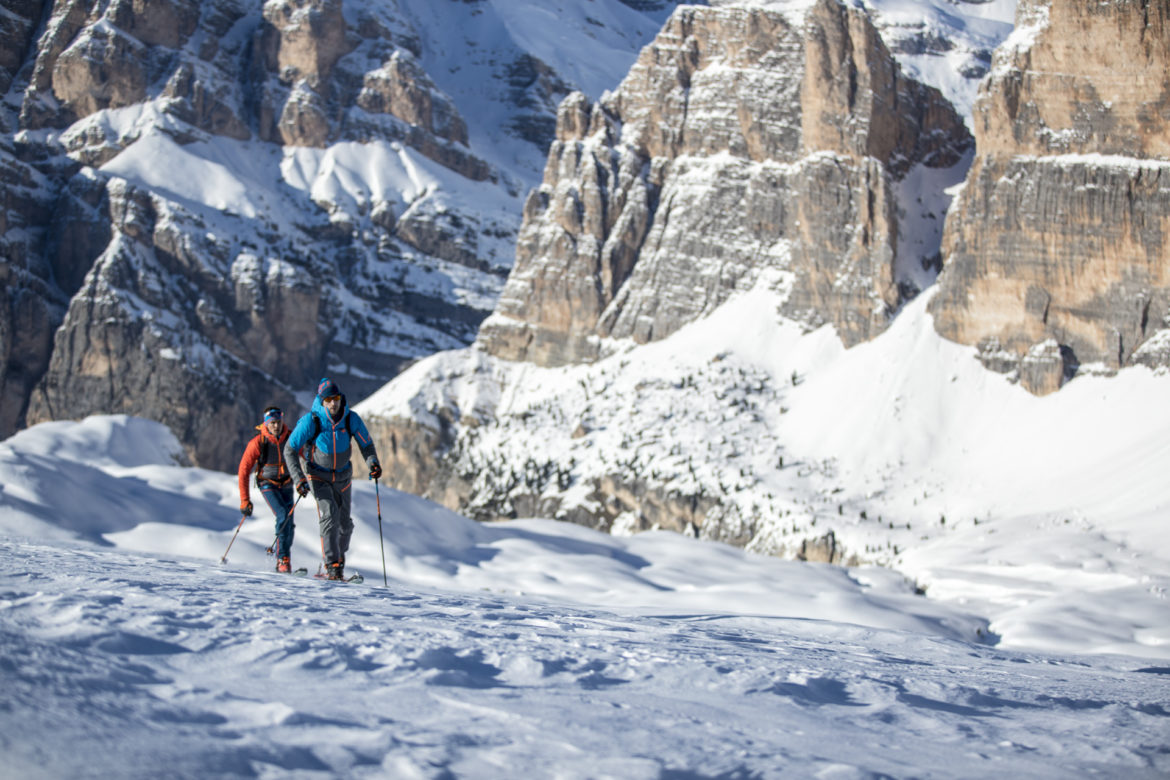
column 521, row 649
column 536, row 648
column 477, row 57
column 1045, row 516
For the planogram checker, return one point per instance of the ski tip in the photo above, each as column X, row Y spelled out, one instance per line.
column 355, row 579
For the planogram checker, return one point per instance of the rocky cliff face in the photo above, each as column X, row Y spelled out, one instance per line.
column 746, row 147
column 32, row 303
column 1057, row 259
column 213, row 204
column 742, row 140
column 191, row 314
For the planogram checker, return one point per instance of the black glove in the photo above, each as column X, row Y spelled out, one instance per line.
column 246, row 508
column 303, row 487
column 375, row 469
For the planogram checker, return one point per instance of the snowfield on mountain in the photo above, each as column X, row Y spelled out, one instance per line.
column 239, row 222
column 520, row 649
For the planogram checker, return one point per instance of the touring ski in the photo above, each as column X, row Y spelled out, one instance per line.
column 301, row 572
column 354, row 578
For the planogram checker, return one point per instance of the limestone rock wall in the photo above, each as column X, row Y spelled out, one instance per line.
column 745, row 146
column 17, row 27
column 36, row 271
column 740, row 142
column 1056, row 252
column 205, row 206
column 121, row 296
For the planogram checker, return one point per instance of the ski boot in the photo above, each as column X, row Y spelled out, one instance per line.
column 335, row 571
column 283, row 565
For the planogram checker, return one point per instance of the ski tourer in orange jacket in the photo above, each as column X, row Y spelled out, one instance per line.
column 264, row 459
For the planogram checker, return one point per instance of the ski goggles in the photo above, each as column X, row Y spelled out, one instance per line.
column 272, row 413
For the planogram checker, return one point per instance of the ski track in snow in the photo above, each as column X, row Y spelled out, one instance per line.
column 116, row 664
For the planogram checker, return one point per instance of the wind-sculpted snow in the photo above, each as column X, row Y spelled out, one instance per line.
column 1045, row 516
column 519, row 649
column 134, row 666
column 89, row 490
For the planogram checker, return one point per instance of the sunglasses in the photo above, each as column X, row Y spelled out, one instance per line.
column 330, row 399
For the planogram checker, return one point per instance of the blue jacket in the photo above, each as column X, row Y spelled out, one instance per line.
column 327, row 454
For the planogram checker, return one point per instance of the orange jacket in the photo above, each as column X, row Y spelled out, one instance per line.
column 273, row 470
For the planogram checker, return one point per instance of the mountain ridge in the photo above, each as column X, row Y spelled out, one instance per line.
column 659, row 453
column 236, row 276
column 182, row 179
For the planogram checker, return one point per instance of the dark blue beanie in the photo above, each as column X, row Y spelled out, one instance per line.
column 326, row 388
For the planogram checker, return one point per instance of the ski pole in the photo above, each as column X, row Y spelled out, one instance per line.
column 233, row 541
column 378, row 497
column 288, row 518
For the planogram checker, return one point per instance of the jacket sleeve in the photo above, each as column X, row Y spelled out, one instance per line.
column 362, row 436
column 292, row 445
column 247, row 463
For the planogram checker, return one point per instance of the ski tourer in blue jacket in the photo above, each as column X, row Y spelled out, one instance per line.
column 323, row 441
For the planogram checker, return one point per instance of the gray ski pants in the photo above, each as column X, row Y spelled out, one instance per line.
column 333, row 502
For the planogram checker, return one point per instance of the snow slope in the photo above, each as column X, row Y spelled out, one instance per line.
column 535, row 648
column 113, row 481
column 1046, row 516
column 947, row 44
column 523, row 649
column 147, row 666
column 584, row 45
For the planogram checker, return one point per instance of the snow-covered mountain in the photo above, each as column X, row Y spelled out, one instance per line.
column 268, row 191
column 661, row 203
column 903, row 451
column 687, row 274
column 209, row 205
column 529, row 647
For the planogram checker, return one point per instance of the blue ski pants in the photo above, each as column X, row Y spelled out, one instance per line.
column 280, row 501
